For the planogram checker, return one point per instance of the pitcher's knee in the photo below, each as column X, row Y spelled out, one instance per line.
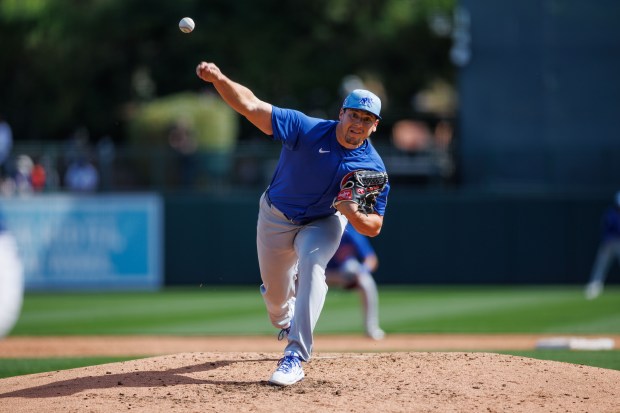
column 280, row 309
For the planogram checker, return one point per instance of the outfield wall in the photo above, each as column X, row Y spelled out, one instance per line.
column 464, row 237
column 89, row 242
column 449, row 237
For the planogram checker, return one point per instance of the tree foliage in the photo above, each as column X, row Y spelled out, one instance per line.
column 85, row 63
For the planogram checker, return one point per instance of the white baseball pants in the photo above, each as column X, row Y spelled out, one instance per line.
column 292, row 260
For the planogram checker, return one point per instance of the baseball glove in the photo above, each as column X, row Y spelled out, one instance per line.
column 363, row 188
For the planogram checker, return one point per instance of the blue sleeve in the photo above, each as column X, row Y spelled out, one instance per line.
column 382, row 200
column 289, row 125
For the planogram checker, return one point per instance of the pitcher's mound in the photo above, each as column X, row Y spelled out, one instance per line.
column 387, row 382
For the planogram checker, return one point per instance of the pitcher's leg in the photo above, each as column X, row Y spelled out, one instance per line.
column 603, row 259
column 316, row 243
column 594, row 288
column 370, row 303
column 276, row 258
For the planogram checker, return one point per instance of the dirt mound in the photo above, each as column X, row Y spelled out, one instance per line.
column 345, row 382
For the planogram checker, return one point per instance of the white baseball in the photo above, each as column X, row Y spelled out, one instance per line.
column 186, row 25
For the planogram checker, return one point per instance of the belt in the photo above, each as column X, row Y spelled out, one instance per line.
column 292, row 221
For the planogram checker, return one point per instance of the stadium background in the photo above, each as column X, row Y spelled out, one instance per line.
column 515, row 198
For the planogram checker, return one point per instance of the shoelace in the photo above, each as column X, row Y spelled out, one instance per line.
column 283, row 333
column 287, row 363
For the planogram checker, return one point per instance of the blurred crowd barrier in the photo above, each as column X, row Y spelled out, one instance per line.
column 70, row 242
column 43, row 167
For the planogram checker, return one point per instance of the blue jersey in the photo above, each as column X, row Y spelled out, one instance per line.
column 312, row 164
column 352, row 245
column 611, row 225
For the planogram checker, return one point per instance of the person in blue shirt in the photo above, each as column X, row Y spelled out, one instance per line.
column 299, row 225
column 608, row 249
column 351, row 268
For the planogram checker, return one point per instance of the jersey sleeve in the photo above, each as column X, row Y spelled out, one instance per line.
column 290, row 125
column 382, row 200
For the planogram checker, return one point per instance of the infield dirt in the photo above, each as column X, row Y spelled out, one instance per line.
column 236, row 381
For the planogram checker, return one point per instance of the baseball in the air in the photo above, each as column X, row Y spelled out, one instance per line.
column 186, row 24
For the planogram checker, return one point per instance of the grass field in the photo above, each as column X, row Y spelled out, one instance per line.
column 210, row 310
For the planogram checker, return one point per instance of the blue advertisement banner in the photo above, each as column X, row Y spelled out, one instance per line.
column 88, row 242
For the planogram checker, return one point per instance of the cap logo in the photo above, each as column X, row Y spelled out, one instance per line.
column 367, row 101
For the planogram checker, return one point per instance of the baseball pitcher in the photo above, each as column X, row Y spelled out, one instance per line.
column 328, row 174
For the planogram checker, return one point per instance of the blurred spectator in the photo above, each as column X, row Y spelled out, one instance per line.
column 11, row 281
column 438, row 98
column 411, row 136
column 443, row 135
column 52, row 179
column 23, row 174
column 77, row 145
column 81, row 176
column 38, row 176
column 424, row 152
column 609, row 247
column 6, row 143
column 181, row 139
column 106, row 152
column 416, row 136
column 351, row 268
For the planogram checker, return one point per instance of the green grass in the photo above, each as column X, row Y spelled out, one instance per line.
column 214, row 310
column 404, row 309
column 607, row 359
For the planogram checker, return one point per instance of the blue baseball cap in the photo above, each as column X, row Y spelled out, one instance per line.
column 363, row 100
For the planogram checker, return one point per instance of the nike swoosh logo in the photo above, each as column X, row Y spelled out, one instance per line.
column 322, row 151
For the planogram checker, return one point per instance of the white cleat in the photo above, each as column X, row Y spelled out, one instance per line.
column 376, row 334
column 289, row 370
column 593, row 290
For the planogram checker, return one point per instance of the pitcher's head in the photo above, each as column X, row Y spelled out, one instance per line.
column 363, row 100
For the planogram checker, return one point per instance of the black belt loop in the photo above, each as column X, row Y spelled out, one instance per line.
column 267, row 198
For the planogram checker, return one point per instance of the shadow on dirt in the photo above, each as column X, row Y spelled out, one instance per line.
column 173, row 377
